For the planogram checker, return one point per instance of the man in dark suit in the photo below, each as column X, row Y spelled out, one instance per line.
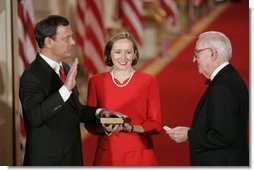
column 218, row 135
column 51, row 108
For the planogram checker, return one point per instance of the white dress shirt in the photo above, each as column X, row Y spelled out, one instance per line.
column 217, row 70
column 64, row 92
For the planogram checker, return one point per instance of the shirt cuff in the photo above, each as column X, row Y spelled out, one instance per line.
column 65, row 93
column 97, row 112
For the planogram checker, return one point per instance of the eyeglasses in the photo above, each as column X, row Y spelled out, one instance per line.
column 196, row 52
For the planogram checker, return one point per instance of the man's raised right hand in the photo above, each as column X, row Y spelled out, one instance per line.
column 71, row 77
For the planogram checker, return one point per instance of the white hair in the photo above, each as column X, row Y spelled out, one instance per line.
column 217, row 41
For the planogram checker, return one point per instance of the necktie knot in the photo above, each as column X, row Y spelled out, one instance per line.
column 62, row 74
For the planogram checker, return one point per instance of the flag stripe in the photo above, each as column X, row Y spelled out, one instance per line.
column 27, row 49
column 94, row 57
column 80, row 24
column 95, row 29
column 94, row 8
column 91, row 36
column 26, row 35
column 133, row 20
column 22, row 54
column 170, row 8
column 130, row 14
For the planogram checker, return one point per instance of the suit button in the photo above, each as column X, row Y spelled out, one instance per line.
column 57, row 107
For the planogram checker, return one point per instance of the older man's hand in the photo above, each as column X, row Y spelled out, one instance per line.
column 178, row 134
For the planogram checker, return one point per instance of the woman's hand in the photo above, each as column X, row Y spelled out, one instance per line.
column 113, row 127
column 128, row 127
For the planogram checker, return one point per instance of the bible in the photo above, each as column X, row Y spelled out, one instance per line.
column 114, row 120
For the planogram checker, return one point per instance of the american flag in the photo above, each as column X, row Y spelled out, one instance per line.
column 91, row 36
column 130, row 13
column 27, row 48
column 171, row 9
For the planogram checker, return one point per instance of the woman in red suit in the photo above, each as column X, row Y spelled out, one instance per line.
column 132, row 93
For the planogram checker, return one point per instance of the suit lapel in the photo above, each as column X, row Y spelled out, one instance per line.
column 48, row 76
column 200, row 103
column 51, row 80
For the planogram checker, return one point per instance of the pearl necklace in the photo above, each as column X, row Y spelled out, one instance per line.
column 121, row 85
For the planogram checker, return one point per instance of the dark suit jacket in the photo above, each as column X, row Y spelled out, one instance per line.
column 219, row 131
column 52, row 125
